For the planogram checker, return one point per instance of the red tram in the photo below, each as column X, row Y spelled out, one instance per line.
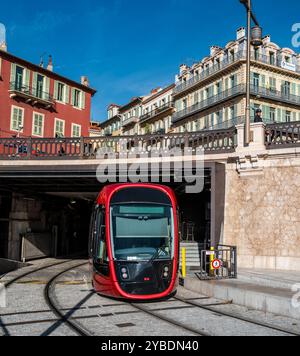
column 134, row 243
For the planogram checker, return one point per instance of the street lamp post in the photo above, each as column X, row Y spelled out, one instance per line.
column 255, row 34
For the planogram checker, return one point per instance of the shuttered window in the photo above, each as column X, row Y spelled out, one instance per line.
column 59, row 128
column 38, row 125
column 17, row 119
column 76, row 130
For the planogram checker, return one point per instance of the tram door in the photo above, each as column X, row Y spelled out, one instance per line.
column 98, row 245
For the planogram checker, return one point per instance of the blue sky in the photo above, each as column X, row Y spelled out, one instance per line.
column 128, row 47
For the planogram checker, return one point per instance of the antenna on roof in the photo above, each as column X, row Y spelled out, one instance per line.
column 42, row 60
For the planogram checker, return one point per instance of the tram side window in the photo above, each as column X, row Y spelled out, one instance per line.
column 100, row 247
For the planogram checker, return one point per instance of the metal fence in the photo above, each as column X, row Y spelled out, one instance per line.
column 226, row 256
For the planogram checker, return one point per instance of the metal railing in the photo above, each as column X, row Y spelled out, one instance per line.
column 129, row 121
column 227, row 259
column 237, row 90
column 87, row 147
column 211, row 101
column 283, row 135
column 241, row 55
column 159, row 110
column 31, row 91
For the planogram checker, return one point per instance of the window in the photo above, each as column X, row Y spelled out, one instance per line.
column 272, row 58
column 59, row 128
column 286, row 88
column 19, row 78
column 39, row 86
column 288, row 116
column 273, row 84
column 60, row 92
column 256, row 78
column 76, row 98
column 272, row 115
column 38, row 125
column 256, row 54
column 76, row 130
column 17, row 119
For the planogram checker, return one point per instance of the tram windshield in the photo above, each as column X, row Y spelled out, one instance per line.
column 142, row 232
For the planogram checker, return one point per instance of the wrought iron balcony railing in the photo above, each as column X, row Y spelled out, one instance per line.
column 159, row 110
column 30, row 92
column 211, row 101
column 267, row 93
column 241, row 55
column 130, row 121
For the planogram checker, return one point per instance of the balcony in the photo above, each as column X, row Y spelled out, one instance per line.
column 31, row 95
column 209, row 102
column 258, row 92
column 158, row 111
column 131, row 121
column 239, row 56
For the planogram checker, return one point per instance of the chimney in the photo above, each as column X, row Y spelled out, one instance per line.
column 155, row 91
column 214, row 50
column 50, row 64
column 240, row 33
column 267, row 39
column 85, row 81
column 183, row 68
column 3, row 44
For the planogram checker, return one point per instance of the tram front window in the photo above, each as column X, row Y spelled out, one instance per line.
column 141, row 232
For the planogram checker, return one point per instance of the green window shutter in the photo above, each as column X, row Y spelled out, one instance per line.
column 73, row 96
column 67, row 94
column 298, row 89
column 34, row 83
column 279, row 115
column 13, row 73
column 263, row 80
column 47, row 88
column 226, row 84
column 82, row 99
column 294, row 116
column 252, row 78
column 293, row 88
column 55, row 90
column 27, row 78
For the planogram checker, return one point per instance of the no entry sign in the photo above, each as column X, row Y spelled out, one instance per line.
column 216, row 264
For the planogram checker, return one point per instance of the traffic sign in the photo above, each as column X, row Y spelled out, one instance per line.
column 216, row 264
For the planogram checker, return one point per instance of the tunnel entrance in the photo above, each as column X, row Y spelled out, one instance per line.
column 61, row 212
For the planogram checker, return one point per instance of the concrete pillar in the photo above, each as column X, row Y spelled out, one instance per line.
column 257, row 143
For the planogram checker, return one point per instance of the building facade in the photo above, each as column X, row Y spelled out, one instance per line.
column 211, row 94
column 35, row 101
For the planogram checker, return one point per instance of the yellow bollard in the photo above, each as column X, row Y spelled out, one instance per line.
column 183, row 260
column 212, row 258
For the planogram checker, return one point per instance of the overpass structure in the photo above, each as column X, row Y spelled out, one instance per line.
column 250, row 197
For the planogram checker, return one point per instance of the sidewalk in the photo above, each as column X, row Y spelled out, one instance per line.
column 262, row 290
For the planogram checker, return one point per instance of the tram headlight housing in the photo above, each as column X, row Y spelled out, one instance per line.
column 166, row 271
column 124, row 273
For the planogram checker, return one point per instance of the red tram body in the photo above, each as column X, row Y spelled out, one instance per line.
column 134, row 242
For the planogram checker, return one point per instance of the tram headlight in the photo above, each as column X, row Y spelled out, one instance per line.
column 124, row 273
column 166, row 271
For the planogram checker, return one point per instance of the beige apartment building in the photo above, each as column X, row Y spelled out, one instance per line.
column 211, row 94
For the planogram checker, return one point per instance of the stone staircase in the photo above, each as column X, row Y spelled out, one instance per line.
column 193, row 251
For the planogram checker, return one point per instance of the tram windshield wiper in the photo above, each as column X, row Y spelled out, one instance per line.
column 159, row 250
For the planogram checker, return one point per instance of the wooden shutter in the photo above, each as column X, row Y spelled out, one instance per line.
column 279, row 115
column 263, row 80
column 55, row 90
column 27, row 78
column 47, row 88
column 67, row 94
column 34, row 83
column 13, row 74
column 82, row 101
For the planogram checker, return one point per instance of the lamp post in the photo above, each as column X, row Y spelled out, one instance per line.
column 255, row 34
